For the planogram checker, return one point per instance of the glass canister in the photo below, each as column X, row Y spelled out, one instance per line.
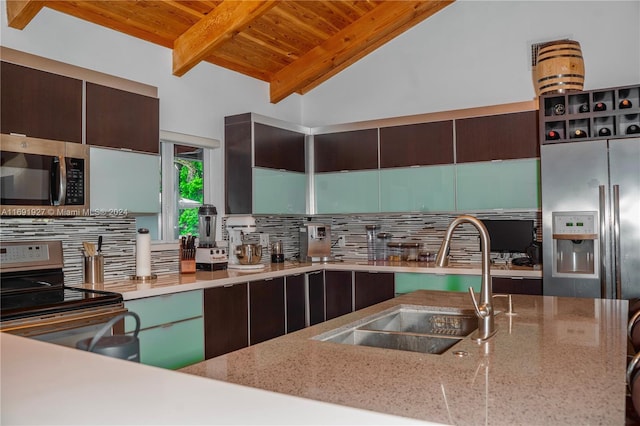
column 372, row 235
column 410, row 251
column 382, row 252
column 394, row 252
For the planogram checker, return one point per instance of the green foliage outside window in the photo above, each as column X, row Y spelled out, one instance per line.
column 190, row 179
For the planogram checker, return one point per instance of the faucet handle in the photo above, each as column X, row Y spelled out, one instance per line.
column 475, row 303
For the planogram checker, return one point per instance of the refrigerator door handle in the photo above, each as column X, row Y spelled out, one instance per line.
column 603, row 246
column 616, row 241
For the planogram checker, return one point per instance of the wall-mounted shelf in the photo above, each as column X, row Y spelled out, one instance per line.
column 593, row 114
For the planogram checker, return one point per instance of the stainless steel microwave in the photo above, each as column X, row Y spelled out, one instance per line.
column 40, row 177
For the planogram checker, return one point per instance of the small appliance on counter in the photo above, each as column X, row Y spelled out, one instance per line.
column 315, row 242
column 277, row 252
column 243, row 256
column 209, row 257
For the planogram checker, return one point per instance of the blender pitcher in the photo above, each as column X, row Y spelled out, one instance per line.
column 207, row 225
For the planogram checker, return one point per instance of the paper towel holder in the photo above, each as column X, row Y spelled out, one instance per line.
column 143, row 257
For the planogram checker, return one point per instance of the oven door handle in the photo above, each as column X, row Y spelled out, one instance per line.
column 110, row 324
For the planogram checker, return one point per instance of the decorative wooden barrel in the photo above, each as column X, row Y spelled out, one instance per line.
column 560, row 67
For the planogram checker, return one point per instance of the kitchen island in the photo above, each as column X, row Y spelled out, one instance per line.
column 557, row 361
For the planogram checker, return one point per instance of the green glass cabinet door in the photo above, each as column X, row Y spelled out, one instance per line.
column 278, row 191
column 417, row 189
column 408, row 282
column 507, row 184
column 347, row 192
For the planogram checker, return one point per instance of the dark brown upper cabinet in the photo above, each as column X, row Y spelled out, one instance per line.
column 277, row 148
column 416, row 144
column 353, row 150
column 237, row 157
column 497, row 137
column 40, row 104
column 119, row 119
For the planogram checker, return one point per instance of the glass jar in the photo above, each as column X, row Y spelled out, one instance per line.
column 395, row 252
column 382, row 252
column 410, row 251
column 372, row 234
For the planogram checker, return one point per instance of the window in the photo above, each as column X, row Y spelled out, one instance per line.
column 191, row 176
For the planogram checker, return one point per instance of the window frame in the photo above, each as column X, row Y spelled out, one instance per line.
column 168, row 217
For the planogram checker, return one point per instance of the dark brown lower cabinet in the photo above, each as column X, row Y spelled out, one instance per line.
column 373, row 287
column 316, row 297
column 296, row 305
column 338, row 292
column 517, row 285
column 225, row 319
column 266, row 309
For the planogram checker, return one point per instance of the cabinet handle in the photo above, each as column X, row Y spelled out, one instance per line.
column 228, row 285
column 517, row 278
column 167, row 325
column 269, row 279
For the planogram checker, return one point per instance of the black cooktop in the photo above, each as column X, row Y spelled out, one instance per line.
column 52, row 300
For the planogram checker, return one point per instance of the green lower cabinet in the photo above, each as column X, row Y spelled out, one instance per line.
column 173, row 345
column 506, row 184
column 408, row 282
column 171, row 328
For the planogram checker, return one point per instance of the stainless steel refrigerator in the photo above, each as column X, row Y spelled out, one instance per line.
column 591, row 218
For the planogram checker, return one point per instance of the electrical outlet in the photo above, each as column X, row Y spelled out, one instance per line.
column 342, row 240
column 264, row 240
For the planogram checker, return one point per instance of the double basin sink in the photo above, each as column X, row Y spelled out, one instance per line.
column 425, row 329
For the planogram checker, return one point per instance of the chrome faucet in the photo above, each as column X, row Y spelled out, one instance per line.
column 484, row 311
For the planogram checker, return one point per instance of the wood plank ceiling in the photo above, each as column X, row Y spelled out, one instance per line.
column 292, row 45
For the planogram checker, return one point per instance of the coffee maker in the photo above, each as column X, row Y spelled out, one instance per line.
column 209, row 257
column 315, row 242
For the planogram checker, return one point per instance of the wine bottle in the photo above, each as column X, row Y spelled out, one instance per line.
column 552, row 135
column 558, row 109
column 599, row 106
column 625, row 103
column 583, row 108
column 579, row 134
column 605, row 131
column 633, row 129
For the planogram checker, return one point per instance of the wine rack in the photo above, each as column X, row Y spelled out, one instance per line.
column 587, row 115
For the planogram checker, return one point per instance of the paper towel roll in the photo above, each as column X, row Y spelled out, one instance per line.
column 143, row 253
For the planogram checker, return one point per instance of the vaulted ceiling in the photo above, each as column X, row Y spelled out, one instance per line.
column 292, row 45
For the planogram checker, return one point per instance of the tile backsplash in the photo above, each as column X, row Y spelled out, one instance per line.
column 119, row 237
column 118, row 247
column 425, row 228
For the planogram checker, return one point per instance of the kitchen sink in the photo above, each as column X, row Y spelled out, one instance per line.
column 421, row 322
column 423, row 329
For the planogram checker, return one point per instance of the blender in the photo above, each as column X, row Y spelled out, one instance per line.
column 209, row 257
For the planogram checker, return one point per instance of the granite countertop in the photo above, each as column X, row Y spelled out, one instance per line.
column 172, row 283
column 558, row 361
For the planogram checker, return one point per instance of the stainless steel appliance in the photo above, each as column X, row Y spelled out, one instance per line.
column 315, row 242
column 36, row 303
column 43, row 177
column 209, row 257
column 591, row 218
column 242, row 255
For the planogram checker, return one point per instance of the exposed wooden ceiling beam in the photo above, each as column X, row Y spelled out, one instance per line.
column 218, row 26
column 351, row 44
column 21, row 12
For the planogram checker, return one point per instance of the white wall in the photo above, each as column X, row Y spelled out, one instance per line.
column 477, row 53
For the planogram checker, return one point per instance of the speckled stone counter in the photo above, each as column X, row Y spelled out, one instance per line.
column 559, row 361
column 172, row 283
